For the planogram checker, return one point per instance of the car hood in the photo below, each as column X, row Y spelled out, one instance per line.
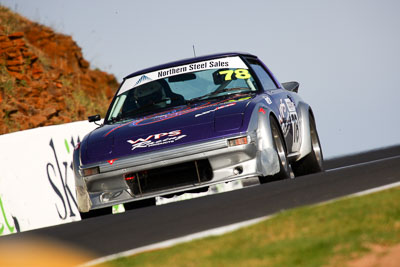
column 173, row 127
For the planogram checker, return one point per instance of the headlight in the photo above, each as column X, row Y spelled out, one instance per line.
column 91, row 171
column 239, row 141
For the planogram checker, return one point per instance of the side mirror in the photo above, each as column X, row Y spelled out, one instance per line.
column 291, row 86
column 94, row 118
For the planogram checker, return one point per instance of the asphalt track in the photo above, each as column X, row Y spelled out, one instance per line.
column 111, row 234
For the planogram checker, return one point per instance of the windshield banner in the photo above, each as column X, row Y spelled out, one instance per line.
column 228, row 62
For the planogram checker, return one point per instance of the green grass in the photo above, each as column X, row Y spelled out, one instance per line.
column 326, row 235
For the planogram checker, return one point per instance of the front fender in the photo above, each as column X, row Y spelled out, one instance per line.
column 82, row 195
column 267, row 157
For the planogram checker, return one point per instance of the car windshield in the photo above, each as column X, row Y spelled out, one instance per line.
column 182, row 85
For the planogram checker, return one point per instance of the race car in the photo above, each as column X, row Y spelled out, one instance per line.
column 189, row 124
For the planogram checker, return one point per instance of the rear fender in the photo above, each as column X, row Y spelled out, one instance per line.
column 304, row 115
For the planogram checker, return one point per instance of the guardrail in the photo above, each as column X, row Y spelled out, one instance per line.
column 37, row 187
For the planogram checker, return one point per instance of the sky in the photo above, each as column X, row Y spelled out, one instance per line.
column 345, row 53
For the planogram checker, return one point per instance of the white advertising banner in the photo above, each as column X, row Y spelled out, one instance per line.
column 37, row 187
column 230, row 62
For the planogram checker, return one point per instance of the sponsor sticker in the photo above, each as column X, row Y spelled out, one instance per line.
column 290, row 105
column 143, row 79
column 289, row 121
column 268, row 100
column 157, row 139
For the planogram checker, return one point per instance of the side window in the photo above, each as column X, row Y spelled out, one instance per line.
column 263, row 76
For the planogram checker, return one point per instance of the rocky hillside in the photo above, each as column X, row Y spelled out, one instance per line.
column 44, row 79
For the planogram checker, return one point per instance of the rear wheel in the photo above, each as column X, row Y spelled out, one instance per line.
column 280, row 148
column 313, row 162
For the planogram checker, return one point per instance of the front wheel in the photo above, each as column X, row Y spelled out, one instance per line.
column 280, row 148
column 313, row 162
column 96, row 213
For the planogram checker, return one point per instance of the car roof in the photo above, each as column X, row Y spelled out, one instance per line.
column 188, row 61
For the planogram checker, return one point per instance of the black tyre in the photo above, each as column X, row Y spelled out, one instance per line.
column 313, row 162
column 140, row 204
column 96, row 213
column 280, row 148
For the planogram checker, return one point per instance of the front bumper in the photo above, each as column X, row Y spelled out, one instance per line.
column 228, row 163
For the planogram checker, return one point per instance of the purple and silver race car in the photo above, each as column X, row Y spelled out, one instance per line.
column 190, row 124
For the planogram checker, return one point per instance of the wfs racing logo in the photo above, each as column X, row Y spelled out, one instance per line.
column 157, row 139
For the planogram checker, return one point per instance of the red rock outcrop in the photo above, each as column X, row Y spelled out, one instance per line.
column 44, row 79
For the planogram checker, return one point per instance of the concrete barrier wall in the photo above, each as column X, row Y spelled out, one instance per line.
column 37, row 187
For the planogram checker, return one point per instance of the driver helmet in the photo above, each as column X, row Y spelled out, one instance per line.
column 148, row 93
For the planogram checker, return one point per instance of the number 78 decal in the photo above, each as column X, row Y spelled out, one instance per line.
column 239, row 74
